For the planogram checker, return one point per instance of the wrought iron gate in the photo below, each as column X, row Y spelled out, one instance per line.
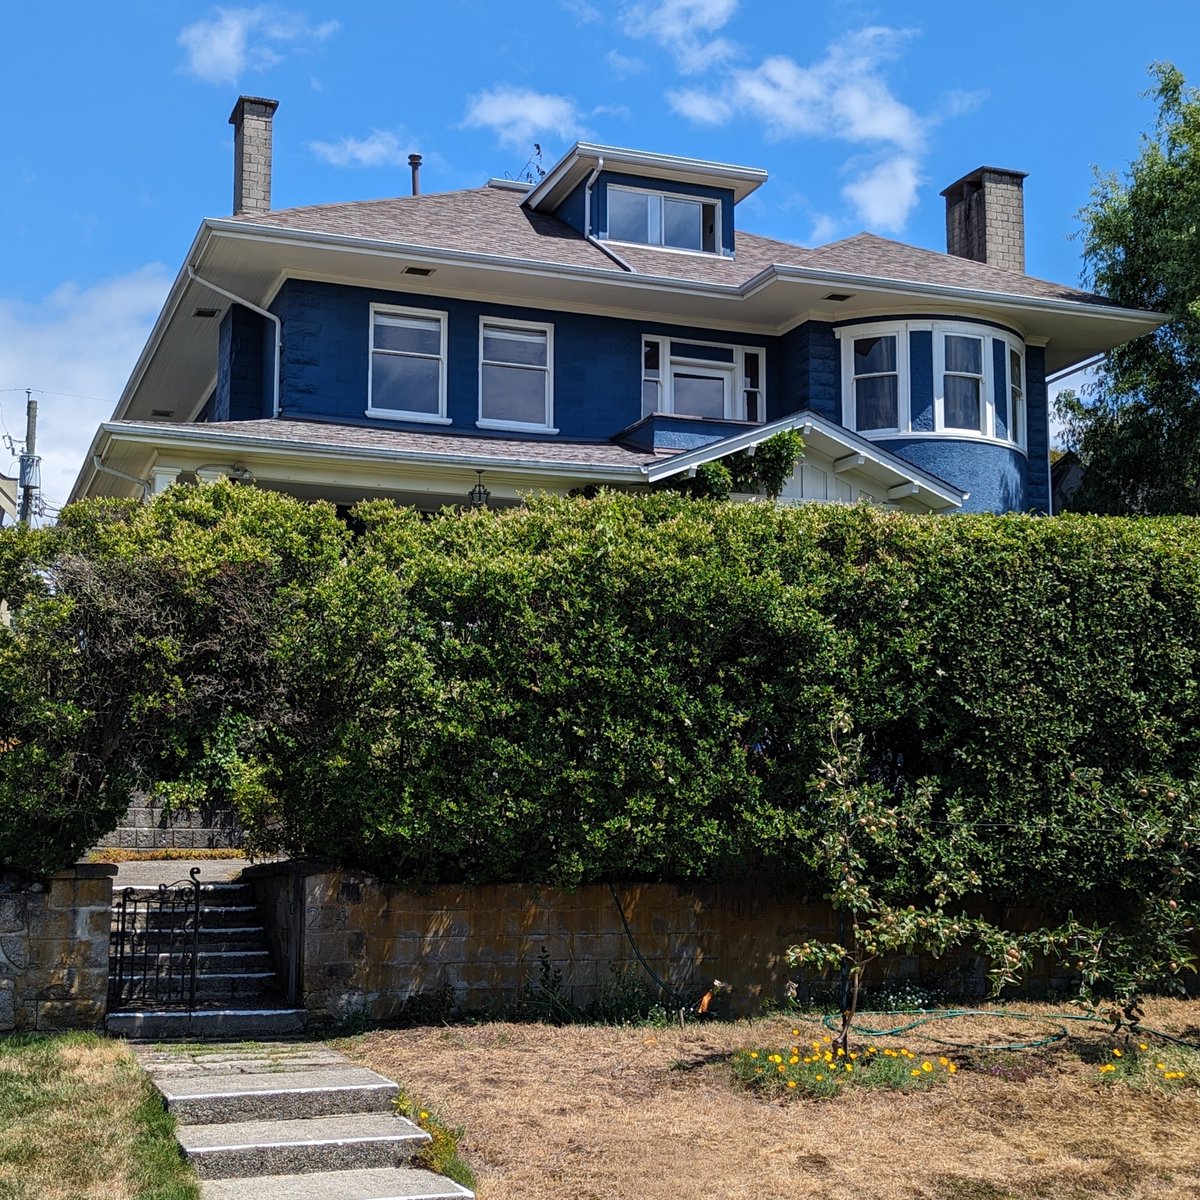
column 156, row 939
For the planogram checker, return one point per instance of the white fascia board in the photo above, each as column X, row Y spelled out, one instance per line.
column 189, row 437
column 87, row 472
column 808, row 423
column 881, row 283
column 580, row 159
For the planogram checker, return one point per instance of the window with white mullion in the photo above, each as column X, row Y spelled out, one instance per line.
column 724, row 386
column 653, row 400
column 407, row 377
column 658, row 219
column 515, row 374
column 1016, row 393
column 875, row 365
column 963, row 394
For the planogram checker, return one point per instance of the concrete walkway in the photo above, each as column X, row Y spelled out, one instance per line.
column 290, row 1121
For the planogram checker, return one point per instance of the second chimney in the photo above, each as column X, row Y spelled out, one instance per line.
column 985, row 218
column 251, row 121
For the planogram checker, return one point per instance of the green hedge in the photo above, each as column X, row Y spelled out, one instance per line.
column 621, row 687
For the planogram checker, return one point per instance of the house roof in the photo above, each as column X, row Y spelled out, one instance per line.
column 495, row 219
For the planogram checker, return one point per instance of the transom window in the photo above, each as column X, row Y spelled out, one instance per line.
column 700, row 379
column 407, row 377
column 657, row 219
column 967, row 397
column 515, row 386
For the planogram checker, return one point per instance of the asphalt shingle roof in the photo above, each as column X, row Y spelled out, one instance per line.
column 491, row 220
column 556, row 452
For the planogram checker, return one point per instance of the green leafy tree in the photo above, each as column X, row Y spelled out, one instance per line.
column 1137, row 430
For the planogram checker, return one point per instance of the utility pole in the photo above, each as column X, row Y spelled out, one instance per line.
column 31, row 474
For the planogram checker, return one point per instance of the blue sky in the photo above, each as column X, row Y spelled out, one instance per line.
column 115, row 140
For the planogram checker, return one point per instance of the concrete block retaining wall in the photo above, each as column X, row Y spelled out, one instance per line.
column 366, row 947
column 146, row 826
column 54, row 950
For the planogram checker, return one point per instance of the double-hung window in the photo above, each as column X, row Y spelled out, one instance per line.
column 516, row 374
column 701, row 379
column 1016, row 394
column 658, row 219
column 407, row 377
column 875, row 387
column 962, row 382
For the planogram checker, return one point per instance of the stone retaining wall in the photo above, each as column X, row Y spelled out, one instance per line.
column 54, row 950
column 367, row 948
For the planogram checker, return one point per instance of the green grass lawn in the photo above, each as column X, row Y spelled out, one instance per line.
column 79, row 1120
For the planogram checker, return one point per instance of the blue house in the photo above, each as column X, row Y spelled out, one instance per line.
column 611, row 325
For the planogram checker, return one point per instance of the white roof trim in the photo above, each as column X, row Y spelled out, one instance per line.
column 579, row 160
column 812, row 426
column 189, row 437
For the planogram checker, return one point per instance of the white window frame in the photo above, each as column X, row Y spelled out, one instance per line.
column 400, row 414
column 987, row 334
column 987, row 396
column 733, row 372
column 849, row 334
column 1017, row 429
column 718, row 219
column 483, row 422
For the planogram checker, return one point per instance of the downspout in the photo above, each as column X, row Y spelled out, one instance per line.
column 262, row 312
column 144, row 484
column 587, row 219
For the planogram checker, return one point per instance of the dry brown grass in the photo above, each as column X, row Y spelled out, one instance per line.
column 169, row 854
column 644, row 1114
column 79, row 1121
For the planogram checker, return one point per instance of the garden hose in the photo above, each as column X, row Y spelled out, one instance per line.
column 923, row 1016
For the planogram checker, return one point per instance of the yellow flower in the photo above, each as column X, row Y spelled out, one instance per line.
column 827, row 1040
column 818, row 1078
column 1116, row 1053
column 951, row 1068
column 793, row 1060
column 423, row 1116
column 1143, row 1046
column 927, row 1066
column 914, row 1072
column 944, row 1061
column 870, row 1049
column 1107, row 1067
column 795, row 1033
column 1161, row 1066
column 781, row 1069
column 849, row 1068
column 753, row 1053
column 841, row 1052
column 852, row 1054
column 791, row 1083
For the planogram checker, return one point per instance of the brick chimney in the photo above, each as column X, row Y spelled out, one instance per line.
column 251, row 121
column 985, row 218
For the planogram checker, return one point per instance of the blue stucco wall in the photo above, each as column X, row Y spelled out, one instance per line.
column 810, row 373
column 600, row 200
column 597, row 360
column 573, row 209
column 665, row 431
column 243, row 374
column 920, row 369
column 994, row 475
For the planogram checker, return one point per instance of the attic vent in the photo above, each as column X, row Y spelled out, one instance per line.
column 839, row 297
column 206, row 313
column 418, row 270
column 162, row 412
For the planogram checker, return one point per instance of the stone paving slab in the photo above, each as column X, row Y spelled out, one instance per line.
column 337, row 1143
column 276, row 1095
column 387, row 1183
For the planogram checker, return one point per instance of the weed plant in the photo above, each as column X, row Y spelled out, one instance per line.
column 441, row 1154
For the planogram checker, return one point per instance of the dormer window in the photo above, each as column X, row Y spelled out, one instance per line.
column 662, row 219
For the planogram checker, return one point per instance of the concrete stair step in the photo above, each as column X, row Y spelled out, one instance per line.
column 226, row 1024
column 295, row 1147
column 234, row 985
column 379, row 1183
column 217, row 962
column 215, row 1098
column 212, row 916
column 250, row 936
column 210, row 893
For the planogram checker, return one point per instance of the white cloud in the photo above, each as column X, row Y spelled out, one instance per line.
column 78, row 342
column 381, row 148
column 584, row 11
column 843, row 96
column 825, row 229
column 959, row 103
column 684, row 28
column 222, row 48
column 520, row 116
column 884, row 195
column 623, row 65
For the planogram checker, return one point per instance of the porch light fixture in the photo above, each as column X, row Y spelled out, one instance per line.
column 478, row 495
